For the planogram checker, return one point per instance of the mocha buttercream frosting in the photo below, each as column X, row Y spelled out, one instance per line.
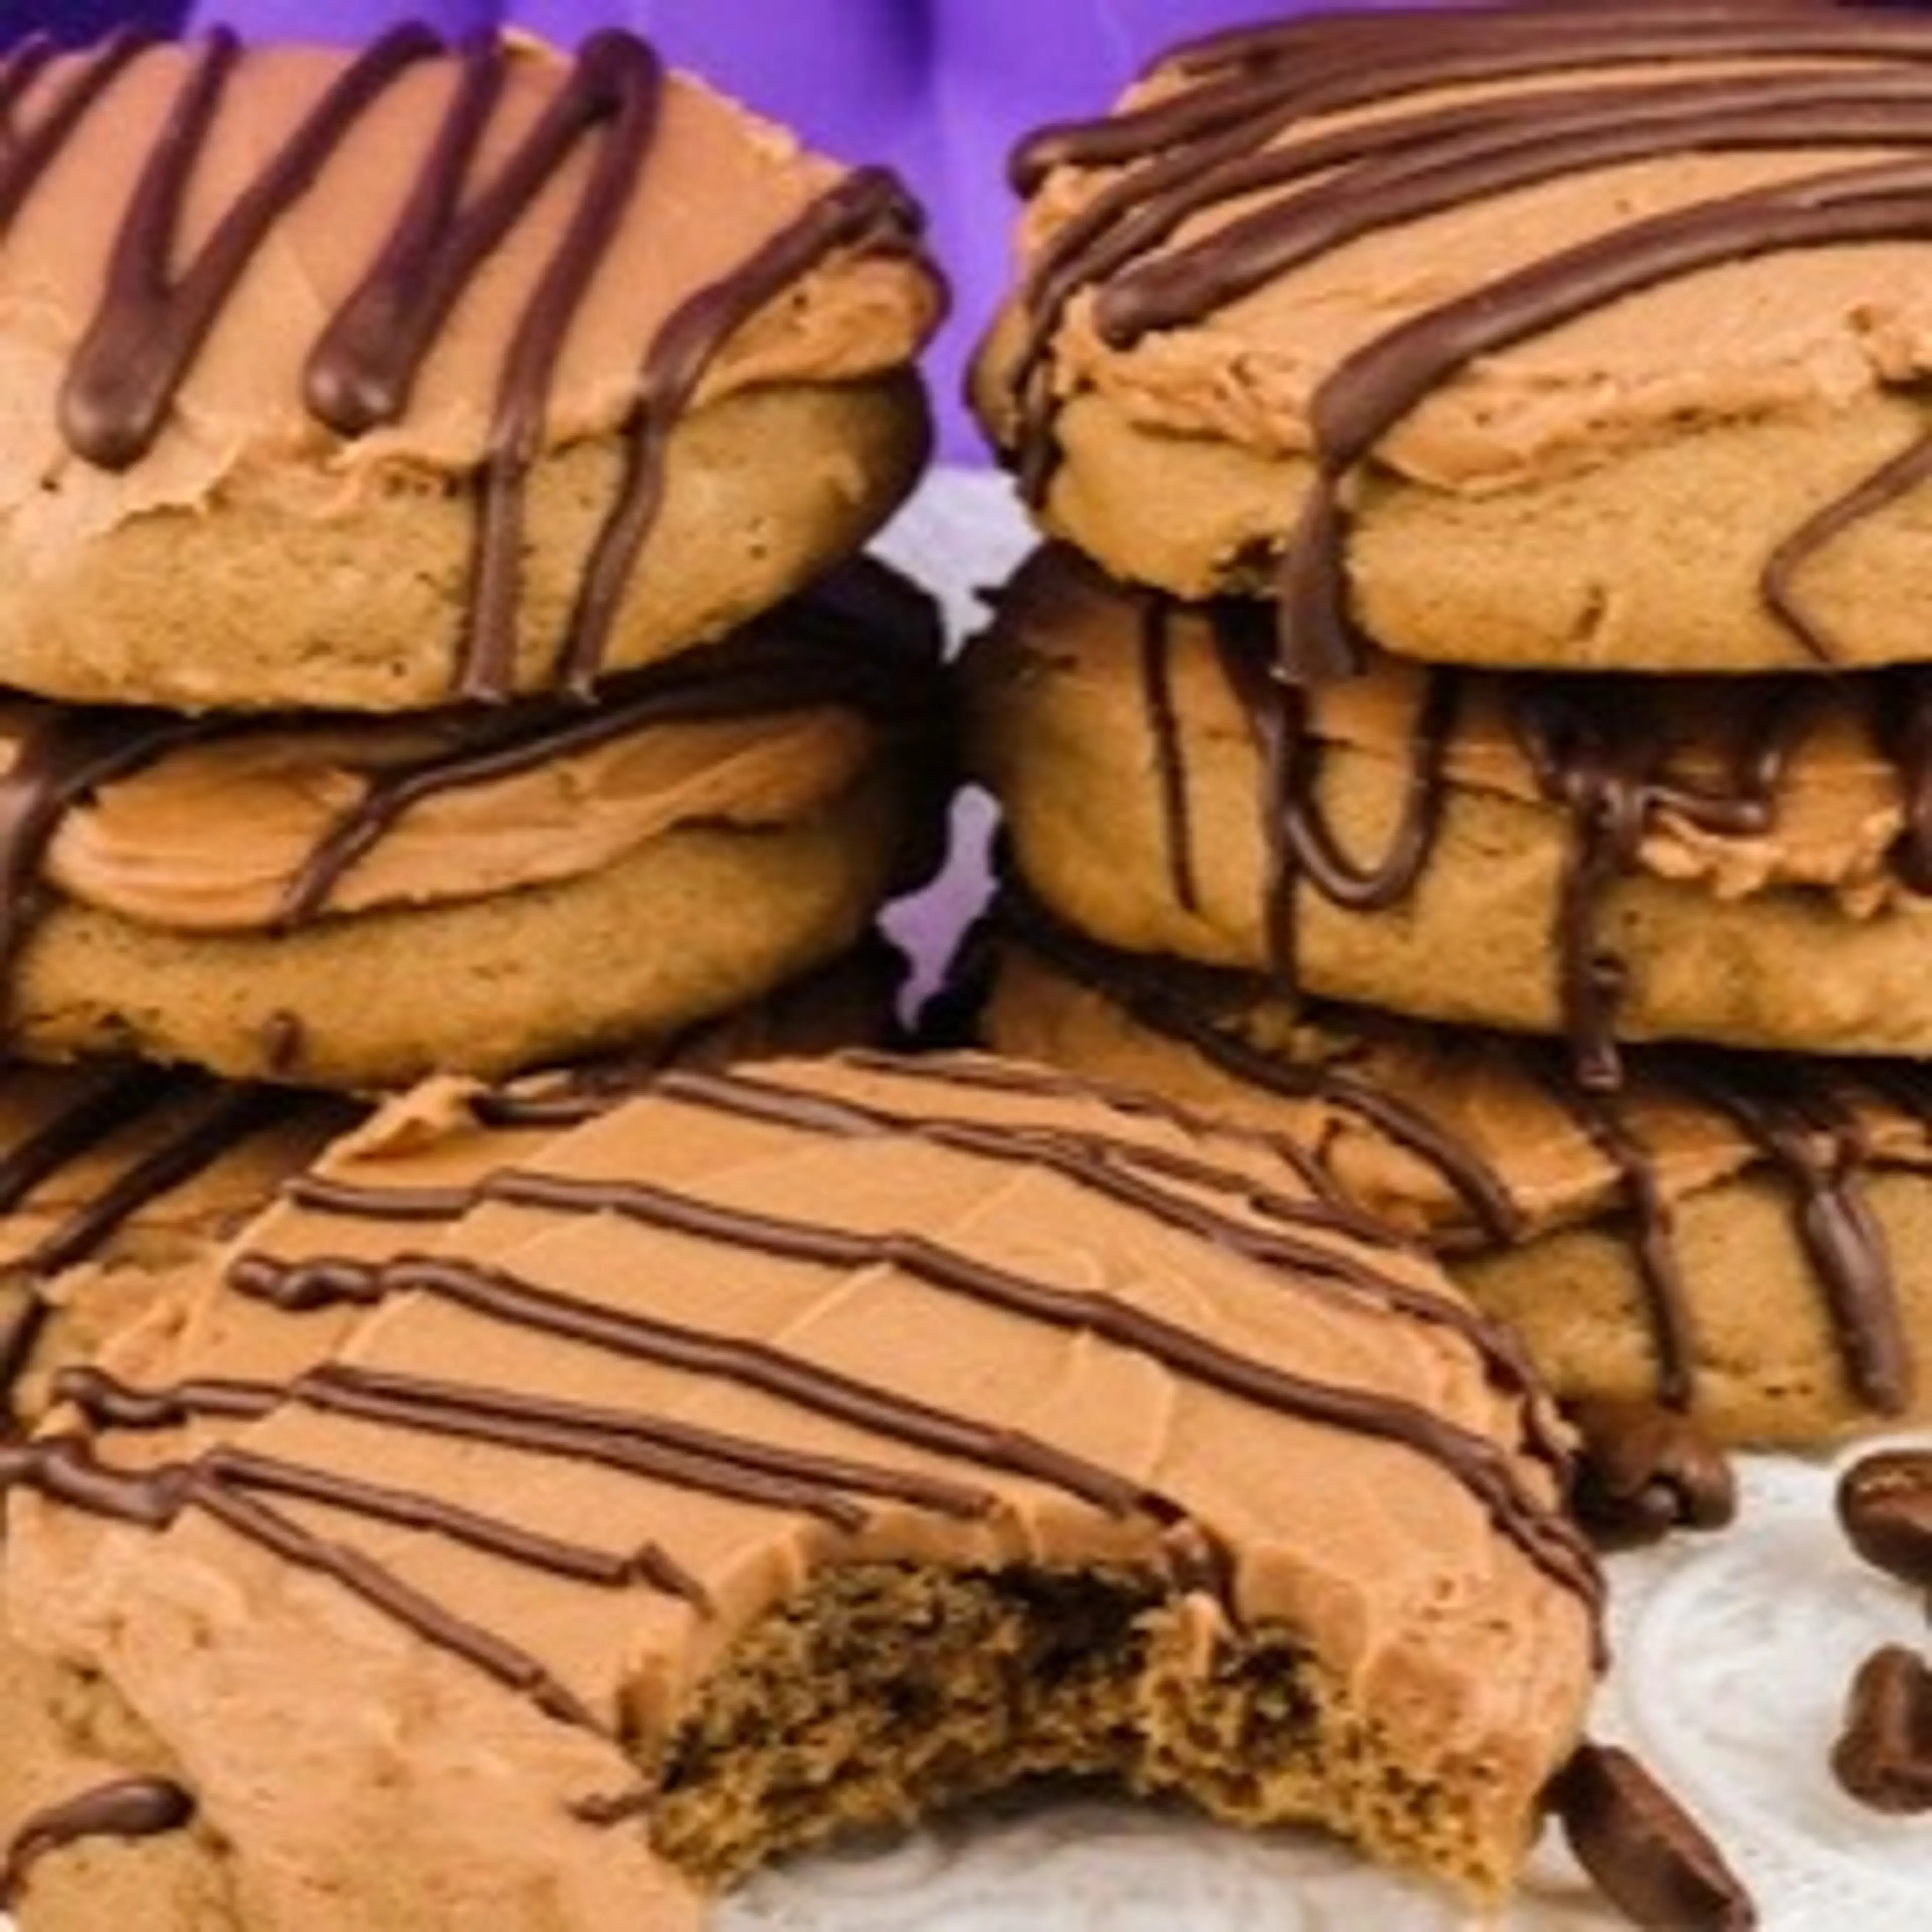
column 520, row 1423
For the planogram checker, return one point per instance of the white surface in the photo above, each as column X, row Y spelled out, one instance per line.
column 1731, row 1654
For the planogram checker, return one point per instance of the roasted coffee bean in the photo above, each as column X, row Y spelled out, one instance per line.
column 1883, row 1756
column 1647, row 1854
column 1646, row 1470
column 1884, row 1504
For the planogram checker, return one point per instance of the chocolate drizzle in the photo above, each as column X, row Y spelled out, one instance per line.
column 1801, row 1118
column 1471, row 1461
column 1246, row 124
column 258, row 1493
column 127, row 1807
column 154, row 317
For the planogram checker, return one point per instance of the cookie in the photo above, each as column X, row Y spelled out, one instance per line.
column 1499, row 334
column 629, row 1476
column 369, row 379
column 1609, row 859
column 350, row 901
column 1739, row 1238
column 113, row 1176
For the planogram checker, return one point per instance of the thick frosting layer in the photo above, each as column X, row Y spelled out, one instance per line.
column 1796, row 782
column 1483, row 244
column 505, row 1426
column 313, row 277
column 240, row 824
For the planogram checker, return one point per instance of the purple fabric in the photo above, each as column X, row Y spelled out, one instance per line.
column 939, row 89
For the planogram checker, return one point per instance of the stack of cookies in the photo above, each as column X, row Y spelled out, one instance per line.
column 413, row 659
column 1471, row 714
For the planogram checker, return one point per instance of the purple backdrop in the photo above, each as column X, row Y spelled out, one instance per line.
column 939, row 88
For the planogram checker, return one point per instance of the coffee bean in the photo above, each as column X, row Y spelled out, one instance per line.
column 1646, row 1470
column 1883, row 1756
column 1647, row 1855
column 1885, row 1504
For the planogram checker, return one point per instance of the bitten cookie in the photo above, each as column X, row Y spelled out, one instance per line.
column 1522, row 335
column 1741, row 1238
column 368, row 378
column 601, row 1470
column 1606, row 858
column 354, row 902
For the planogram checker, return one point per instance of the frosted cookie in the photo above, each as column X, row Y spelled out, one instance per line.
column 1523, row 335
column 599, row 1461
column 365, row 379
column 349, row 902
column 1738, row 1238
column 1606, row 858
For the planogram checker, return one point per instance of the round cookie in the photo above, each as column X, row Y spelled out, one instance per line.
column 354, row 902
column 1503, row 335
column 697, row 1405
column 1608, row 858
column 367, row 379
column 1742, row 1238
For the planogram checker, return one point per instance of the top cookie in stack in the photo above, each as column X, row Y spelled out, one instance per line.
column 371, row 380
column 442, row 383
column 1575, row 354
column 1537, row 336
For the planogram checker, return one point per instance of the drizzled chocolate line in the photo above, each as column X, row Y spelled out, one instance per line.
column 1471, row 1461
column 868, row 211
column 1164, row 731
column 65, row 755
column 366, row 364
column 684, row 1454
column 1653, row 1222
column 808, row 652
column 1166, row 999
column 1234, row 129
column 153, row 320
column 1807, row 1133
column 26, row 153
column 996, row 1076
column 1299, row 842
column 1803, row 1126
column 151, row 325
column 127, row 1807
